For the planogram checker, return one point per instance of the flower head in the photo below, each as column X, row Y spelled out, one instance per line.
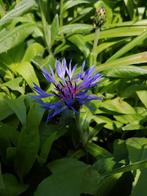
column 70, row 89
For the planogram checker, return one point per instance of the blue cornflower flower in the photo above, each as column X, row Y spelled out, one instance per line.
column 71, row 88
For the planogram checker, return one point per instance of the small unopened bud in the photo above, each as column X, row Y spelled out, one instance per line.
column 100, row 17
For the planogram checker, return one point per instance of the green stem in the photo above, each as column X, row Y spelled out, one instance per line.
column 93, row 55
column 76, row 135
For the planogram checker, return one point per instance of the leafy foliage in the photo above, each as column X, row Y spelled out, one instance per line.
column 103, row 151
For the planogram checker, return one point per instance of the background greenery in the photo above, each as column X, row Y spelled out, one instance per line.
column 109, row 157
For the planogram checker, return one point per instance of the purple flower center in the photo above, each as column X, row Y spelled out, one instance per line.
column 67, row 91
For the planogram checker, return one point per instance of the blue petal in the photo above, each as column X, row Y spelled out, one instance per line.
column 70, row 71
column 61, row 69
column 52, row 106
column 42, row 93
column 55, row 112
column 49, row 76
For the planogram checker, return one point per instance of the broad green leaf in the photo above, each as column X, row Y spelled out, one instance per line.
column 28, row 141
column 135, row 42
column 77, row 40
column 142, row 94
column 108, row 123
column 18, row 107
column 70, row 177
column 75, row 28
column 33, row 50
column 15, row 36
column 21, row 8
column 126, row 72
column 5, row 110
column 26, row 70
column 12, row 186
column 133, row 126
column 14, row 85
column 117, row 105
column 128, row 118
column 129, row 60
column 13, row 55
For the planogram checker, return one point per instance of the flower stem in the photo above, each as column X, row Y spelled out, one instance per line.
column 76, row 135
column 93, row 55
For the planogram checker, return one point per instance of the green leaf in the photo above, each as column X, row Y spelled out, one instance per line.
column 14, row 85
column 117, row 32
column 140, row 183
column 54, row 29
column 133, row 126
column 142, row 94
column 12, row 186
column 105, row 185
column 77, row 40
column 101, row 47
column 46, row 147
column 117, row 105
column 18, row 107
column 33, row 50
column 135, row 42
column 126, row 72
column 129, row 60
column 137, row 148
column 131, row 121
column 21, row 8
column 108, row 123
column 132, row 89
column 15, row 36
column 8, row 138
column 130, row 8
column 70, row 177
column 96, row 150
column 26, row 70
column 75, row 28
column 28, row 142
column 120, row 151
column 5, row 110
column 69, row 4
